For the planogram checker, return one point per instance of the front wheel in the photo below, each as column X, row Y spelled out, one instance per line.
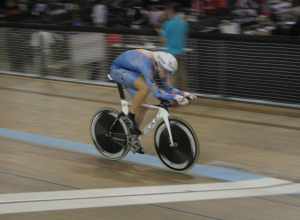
column 186, row 150
column 110, row 134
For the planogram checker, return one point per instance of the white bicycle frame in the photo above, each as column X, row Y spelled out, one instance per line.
column 162, row 114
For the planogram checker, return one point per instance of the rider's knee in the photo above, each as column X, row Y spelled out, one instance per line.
column 144, row 90
column 147, row 90
column 141, row 86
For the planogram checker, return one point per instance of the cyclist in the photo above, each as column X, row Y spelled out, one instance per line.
column 141, row 72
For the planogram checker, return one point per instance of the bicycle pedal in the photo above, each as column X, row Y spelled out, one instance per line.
column 128, row 122
column 136, row 145
column 139, row 150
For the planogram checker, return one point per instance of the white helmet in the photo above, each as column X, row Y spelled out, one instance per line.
column 166, row 61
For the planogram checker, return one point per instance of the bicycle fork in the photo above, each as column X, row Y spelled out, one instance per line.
column 164, row 114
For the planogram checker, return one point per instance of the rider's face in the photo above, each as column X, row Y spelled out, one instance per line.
column 162, row 72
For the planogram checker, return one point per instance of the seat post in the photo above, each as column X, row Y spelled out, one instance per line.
column 120, row 87
column 121, row 91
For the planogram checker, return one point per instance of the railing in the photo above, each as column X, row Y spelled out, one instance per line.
column 245, row 68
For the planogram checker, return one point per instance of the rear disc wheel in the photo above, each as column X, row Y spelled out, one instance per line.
column 110, row 134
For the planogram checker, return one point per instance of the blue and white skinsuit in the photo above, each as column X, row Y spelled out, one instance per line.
column 133, row 64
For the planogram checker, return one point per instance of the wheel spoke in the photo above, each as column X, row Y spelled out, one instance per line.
column 118, row 135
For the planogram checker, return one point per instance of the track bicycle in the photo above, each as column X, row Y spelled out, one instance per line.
column 176, row 143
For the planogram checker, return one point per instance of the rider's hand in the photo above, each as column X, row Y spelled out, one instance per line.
column 189, row 96
column 181, row 100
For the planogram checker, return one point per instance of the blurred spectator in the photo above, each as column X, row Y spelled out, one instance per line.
column 174, row 33
column 12, row 10
column 154, row 14
column 39, row 8
column 114, row 39
column 228, row 27
column 41, row 42
column 99, row 13
column 203, row 16
column 265, row 26
column 246, row 11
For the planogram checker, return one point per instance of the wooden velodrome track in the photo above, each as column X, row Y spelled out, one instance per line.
column 261, row 140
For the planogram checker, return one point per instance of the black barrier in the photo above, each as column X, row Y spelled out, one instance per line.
column 236, row 67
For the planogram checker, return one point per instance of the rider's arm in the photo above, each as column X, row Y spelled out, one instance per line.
column 169, row 93
column 156, row 91
column 168, row 87
column 176, row 93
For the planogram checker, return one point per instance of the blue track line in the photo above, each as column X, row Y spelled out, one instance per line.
column 215, row 172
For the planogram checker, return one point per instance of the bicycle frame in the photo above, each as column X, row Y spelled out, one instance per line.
column 162, row 114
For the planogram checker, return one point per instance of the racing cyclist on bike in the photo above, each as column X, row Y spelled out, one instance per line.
column 141, row 72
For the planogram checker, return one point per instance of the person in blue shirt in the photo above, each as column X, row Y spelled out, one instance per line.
column 142, row 72
column 173, row 34
column 174, row 31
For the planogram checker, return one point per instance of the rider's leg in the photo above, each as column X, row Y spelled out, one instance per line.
column 140, row 117
column 137, row 111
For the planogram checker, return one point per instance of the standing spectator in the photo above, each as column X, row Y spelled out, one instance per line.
column 99, row 18
column 174, row 33
column 99, row 13
column 41, row 42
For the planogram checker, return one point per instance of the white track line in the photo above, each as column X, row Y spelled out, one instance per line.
column 76, row 199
